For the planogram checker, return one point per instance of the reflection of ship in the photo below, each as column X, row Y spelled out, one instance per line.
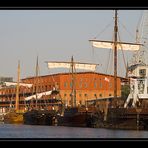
column 133, row 113
column 42, row 116
column 74, row 115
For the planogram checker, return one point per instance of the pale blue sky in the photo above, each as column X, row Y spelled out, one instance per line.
column 57, row 35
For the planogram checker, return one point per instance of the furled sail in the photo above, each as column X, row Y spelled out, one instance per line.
column 39, row 95
column 85, row 66
column 15, row 83
column 120, row 45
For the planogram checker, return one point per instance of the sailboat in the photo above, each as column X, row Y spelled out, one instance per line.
column 74, row 115
column 37, row 115
column 15, row 115
column 131, row 114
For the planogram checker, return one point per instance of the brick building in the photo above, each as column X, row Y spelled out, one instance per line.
column 88, row 86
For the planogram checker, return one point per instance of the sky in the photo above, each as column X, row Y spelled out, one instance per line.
column 56, row 35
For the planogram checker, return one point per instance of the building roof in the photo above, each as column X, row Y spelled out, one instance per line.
column 66, row 73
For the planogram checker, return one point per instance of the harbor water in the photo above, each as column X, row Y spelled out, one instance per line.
column 12, row 131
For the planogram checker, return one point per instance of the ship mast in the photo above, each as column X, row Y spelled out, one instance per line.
column 37, row 69
column 17, row 88
column 115, row 58
column 73, row 93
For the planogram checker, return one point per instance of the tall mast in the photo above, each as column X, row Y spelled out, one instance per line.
column 36, row 90
column 73, row 95
column 115, row 57
column 17, row 88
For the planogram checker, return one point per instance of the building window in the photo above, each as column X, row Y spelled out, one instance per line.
column 100, row 95
column 80, row 95
column 110, row 94
column 70, row 84
column 100, row 83
column 110, row 85
column 85, row 85
column 85, row 95
column 65, row 84
column 81, row 83
column 46, row 87
column 95, row 95
column 95, row 84
column 65, row 95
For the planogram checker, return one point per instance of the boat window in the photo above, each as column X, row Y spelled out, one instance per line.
column 142, row 72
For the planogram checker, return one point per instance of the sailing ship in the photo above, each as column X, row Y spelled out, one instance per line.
column 131, row 114
column 74, row 115
column 15, row 115
column 42, row 116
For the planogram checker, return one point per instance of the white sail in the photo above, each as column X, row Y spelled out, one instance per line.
column 15, row 83
column 120, row 45
column 85, row 66
column 39, row 95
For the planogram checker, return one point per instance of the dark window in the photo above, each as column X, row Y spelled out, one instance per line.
column 95, row 95
column 142, row 72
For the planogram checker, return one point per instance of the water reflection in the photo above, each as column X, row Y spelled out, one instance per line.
column 29, row 131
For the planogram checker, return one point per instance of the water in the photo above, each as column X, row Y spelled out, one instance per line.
column 36, row 131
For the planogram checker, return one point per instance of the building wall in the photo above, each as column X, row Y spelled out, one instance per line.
column 89, row 86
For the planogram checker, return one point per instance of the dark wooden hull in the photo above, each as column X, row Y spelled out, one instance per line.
column 40, row 117
column 74, row 118
column 127, row 118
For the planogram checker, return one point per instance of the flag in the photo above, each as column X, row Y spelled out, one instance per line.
column 106, row 79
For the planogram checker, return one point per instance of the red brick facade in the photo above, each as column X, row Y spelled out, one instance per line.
column 88, row 85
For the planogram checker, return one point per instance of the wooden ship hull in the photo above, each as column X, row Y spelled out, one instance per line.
column 126, row 118
column 13, row 117
column 40, row 117
column 78, row 117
